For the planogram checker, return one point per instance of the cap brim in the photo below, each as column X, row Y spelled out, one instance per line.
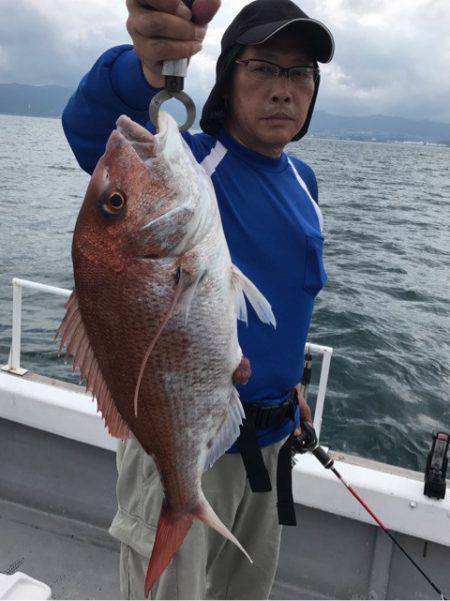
column 321, row 36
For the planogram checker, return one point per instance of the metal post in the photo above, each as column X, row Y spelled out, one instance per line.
column 13, row 365
column 327, row 352
column 42, row 287
column 14, row 354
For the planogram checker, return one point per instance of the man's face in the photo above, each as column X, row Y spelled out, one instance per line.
column 266, row 115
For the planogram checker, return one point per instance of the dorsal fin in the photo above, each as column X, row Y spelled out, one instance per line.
column 75, row 338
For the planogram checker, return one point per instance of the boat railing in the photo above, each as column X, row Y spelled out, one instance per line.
column 67, row 411
column 14, row 362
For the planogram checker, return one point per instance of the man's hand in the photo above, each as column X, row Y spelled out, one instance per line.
column 167, row 30
column 305, row 411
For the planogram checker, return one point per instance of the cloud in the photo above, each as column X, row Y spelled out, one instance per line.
column 391, row 57
column 47, row 42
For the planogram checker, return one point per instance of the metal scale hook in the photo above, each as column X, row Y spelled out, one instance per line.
column 174, row 72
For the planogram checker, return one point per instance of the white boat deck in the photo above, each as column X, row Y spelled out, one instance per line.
column 77, row 560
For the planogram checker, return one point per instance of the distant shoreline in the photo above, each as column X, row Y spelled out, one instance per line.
column 313, row 135
column 30, row 115
column 376, row 141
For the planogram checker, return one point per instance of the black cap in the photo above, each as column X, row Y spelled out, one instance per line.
column 256, row 23
column 261, row 19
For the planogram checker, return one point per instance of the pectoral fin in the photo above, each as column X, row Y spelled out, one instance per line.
column 181, row 302
column 242, row 285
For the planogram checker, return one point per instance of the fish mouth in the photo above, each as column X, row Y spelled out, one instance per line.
column 129, row 134
column 167, row 141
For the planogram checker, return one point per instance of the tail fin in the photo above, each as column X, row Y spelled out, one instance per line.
column 171, row 533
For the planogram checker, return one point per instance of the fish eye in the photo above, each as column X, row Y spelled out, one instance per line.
column 114, row 203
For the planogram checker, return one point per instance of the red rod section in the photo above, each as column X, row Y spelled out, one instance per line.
column 366, row 507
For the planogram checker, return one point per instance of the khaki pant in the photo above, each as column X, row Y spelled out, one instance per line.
column 207, row 566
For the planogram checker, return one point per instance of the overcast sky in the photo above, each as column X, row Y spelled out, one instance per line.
column 392, row 56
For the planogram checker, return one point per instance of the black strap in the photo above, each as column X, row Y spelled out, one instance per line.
column 285, row 504
column 257, row 473
column 269, row 417
column 258, row 476
column 257, row 417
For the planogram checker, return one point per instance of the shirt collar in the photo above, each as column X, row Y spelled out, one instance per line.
column 257, row 160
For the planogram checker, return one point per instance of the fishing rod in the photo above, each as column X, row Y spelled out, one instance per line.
column 307, row 441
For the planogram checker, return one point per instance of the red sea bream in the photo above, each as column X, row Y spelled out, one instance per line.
column 152, row 318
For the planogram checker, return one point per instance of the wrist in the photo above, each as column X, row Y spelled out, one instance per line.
column 129, row 82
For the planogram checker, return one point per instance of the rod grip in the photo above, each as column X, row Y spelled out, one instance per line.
column 323, row 457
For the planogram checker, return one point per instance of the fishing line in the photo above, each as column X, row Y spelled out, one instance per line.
column 307, row 442
column 391, row 536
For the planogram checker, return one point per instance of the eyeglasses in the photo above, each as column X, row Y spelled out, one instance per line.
column 259, row 70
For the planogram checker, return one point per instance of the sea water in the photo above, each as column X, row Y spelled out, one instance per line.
column 384, row 310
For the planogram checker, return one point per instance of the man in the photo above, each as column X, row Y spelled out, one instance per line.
column 264, row 96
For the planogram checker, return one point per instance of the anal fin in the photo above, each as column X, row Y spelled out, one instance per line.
column 228, row 430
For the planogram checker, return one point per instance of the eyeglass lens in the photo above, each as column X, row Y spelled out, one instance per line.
column 263, row 70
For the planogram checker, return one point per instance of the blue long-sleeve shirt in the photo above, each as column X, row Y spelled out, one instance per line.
column 270, row 215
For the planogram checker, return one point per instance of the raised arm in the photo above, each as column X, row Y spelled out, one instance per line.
column 125, row 78
column 114, row 86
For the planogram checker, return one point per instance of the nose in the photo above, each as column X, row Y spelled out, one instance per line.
column 281, row 90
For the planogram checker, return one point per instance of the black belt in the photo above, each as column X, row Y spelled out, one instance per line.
column 259, row 418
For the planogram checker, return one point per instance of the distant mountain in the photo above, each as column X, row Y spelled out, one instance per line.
column 49, row 101
column 379, row 128
column 38, row 101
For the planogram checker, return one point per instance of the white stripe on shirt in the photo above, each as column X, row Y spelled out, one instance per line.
column 212, row 160
column 305, row 188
